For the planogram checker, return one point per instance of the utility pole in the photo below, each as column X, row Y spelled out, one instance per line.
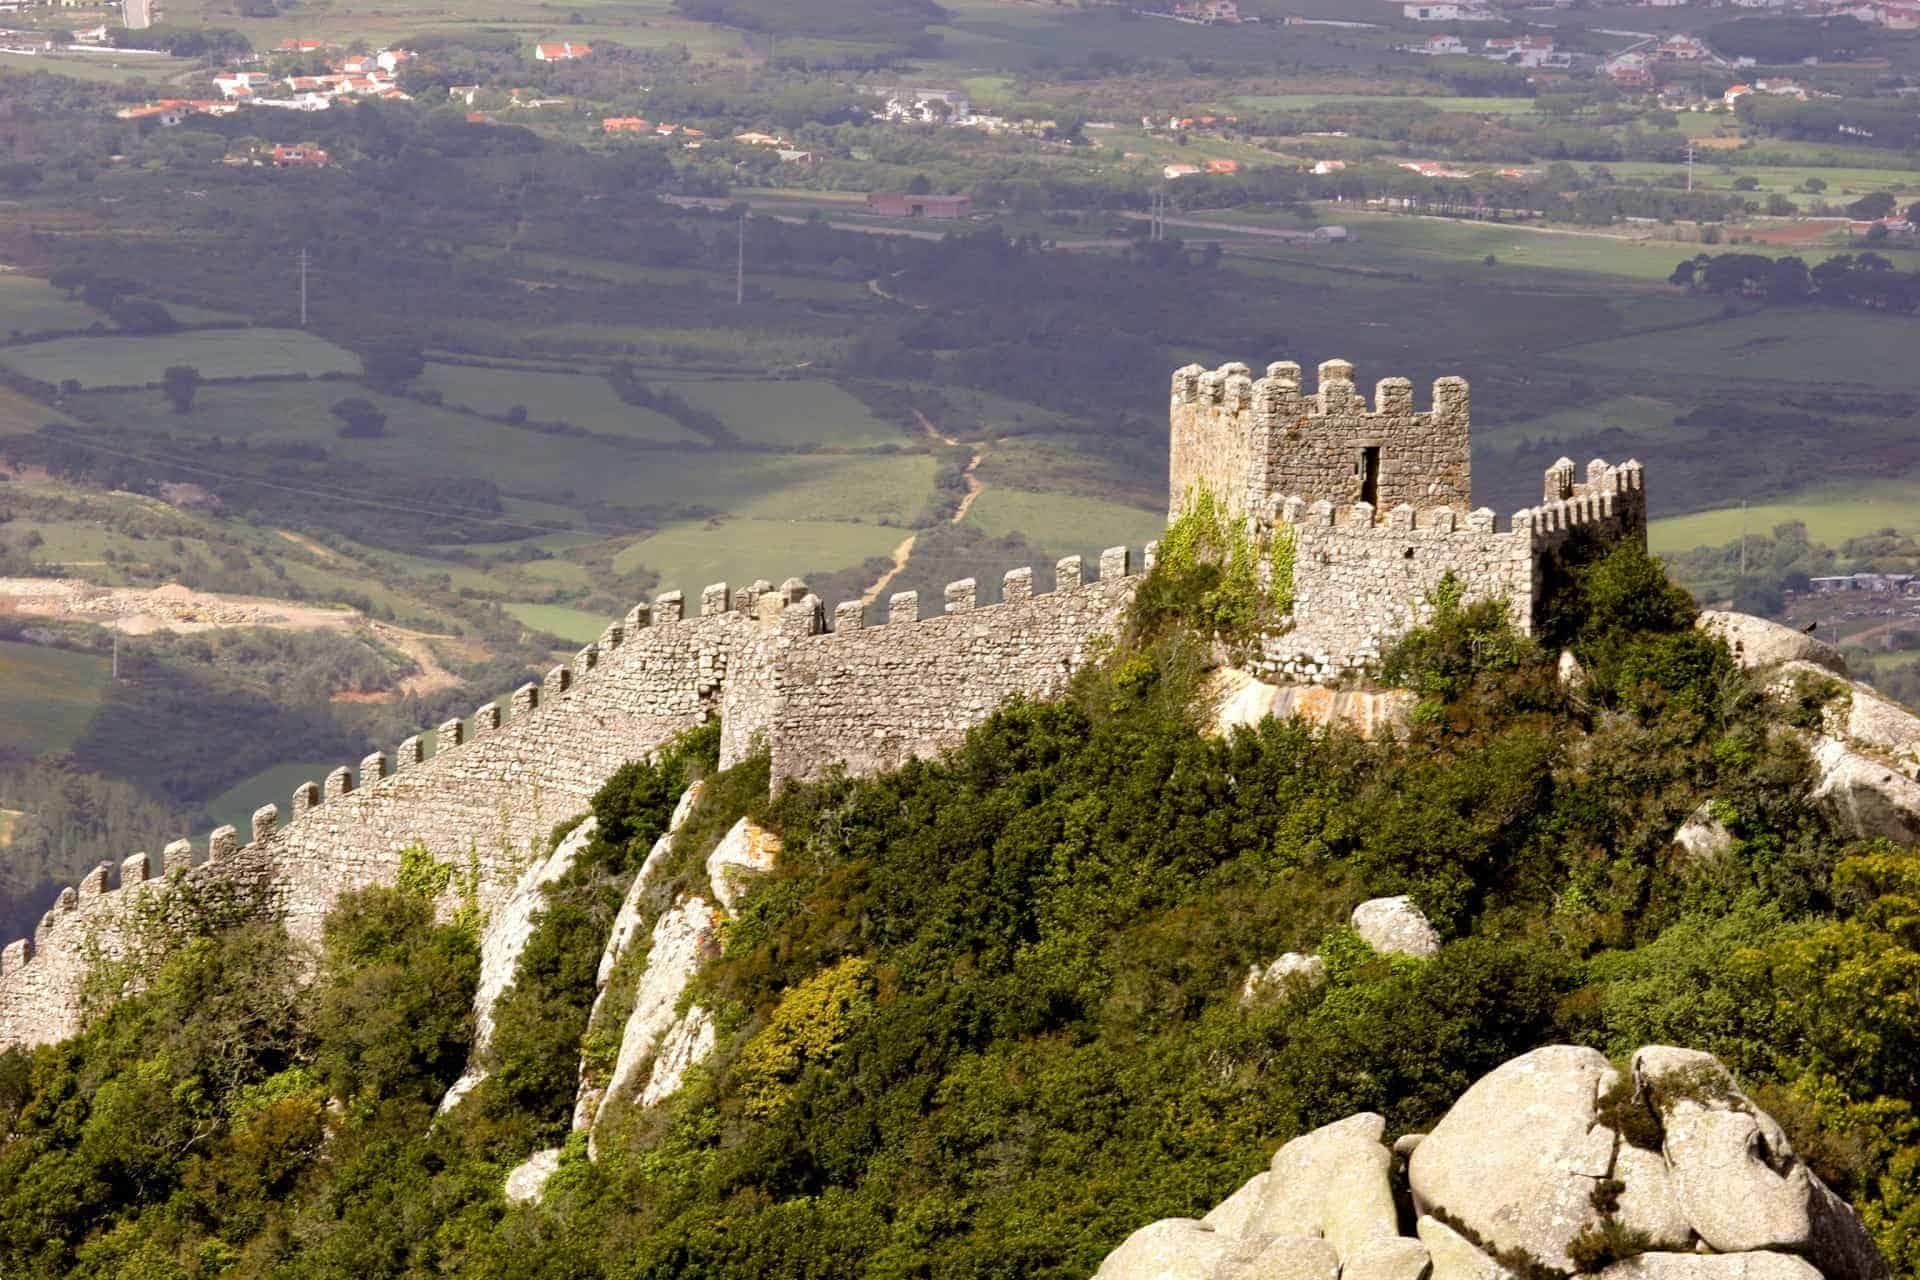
column 116, row 655
column 1743, row 542
column 740, row 265
column 303, row 286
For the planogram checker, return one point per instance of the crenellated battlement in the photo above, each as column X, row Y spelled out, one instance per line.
column 1244, row 440
column 1373, row 496
column 487, row 788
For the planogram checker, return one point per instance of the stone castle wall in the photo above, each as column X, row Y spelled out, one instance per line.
column 872, row 698
column 1248, row 441
column 818, row 693
column 484, row 794
column 1362, row 581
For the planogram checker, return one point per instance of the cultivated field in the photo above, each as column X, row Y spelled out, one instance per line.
column 579, row 399
column 216, row 353
column 47, row 696
column 1064, row 524
column 29, row 304
column 792, row 414
column 1830, row 518
column 691, row 554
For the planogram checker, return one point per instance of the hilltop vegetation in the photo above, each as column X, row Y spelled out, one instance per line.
column 984, row 1018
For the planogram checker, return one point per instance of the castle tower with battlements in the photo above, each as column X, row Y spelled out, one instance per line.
column 1371, row 503
column 1375, row 502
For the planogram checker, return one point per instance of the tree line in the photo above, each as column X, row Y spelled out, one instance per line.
column 1846, row 279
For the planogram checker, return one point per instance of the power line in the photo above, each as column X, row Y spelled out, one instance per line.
column 339, row 495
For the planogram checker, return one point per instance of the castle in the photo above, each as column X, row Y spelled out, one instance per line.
column 1372, row 500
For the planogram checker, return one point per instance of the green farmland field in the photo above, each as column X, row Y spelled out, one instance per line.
column 1064, row 524
column 562, row 470
column 47, row 696
column 580, row 399
column 690, row 555
column 235, row 805
column 574, row 625
column 216, row 353
column 1803, row 345
column 1829, row 518
column 29, row 304
column 791, row 414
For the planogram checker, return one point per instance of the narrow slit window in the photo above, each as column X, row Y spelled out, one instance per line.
column 1366, row 473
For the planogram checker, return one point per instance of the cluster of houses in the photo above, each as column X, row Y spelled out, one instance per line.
column 1518, row 51
column 371, row 75
column 1216, row 166
column 693, row 139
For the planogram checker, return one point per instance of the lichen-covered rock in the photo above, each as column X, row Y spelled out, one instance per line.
column 633, row 907
column 506, row 936
column 1239, row 698
column 1712, row 1266
column 1455, row 1257
column 1332, row 1182
column 1231, row 1216
column 1292, row 974
column 1171, row 1249
column 1648, row 1204
column 1394, row 926
column 1878, row 724
column 1517, row 1158
column 1703, row 837
column 1736, row 1176
column 1869, row 799
column 745, row 853
column 683, row 939
column 529, row 1178
column 1387, row 1258
column 1758, row 643
column 685, row 1047
column 1285, row 1258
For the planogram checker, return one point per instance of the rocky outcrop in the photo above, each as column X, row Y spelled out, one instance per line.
column 1395, row 927
column 747, row 852
column 657, row 1036
column 683, row 940
column 1525, row 1175
column 1736, row 1177
column 1867, row 797
column 1290, row 975
column 685, row 1046
column 1517, row 1158
column 1238, row 698
column 505, row 938
column 1703, row 837
column 1758, row 643
column 528, row 1181
column 1721, row 1266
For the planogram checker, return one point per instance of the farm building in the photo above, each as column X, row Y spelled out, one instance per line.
column 565, row 51
column 891, row 204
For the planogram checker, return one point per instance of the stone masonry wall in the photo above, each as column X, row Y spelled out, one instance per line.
column 819, row 694
column 1250, row 442
column 873, row 698
column 486, row 793
column 487, row 797
column 1361, row 582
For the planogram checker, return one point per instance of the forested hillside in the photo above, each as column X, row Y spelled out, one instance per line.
column 984, row 1018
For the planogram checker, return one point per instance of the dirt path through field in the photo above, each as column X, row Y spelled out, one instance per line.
column 901, row 554
column 974, row 486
